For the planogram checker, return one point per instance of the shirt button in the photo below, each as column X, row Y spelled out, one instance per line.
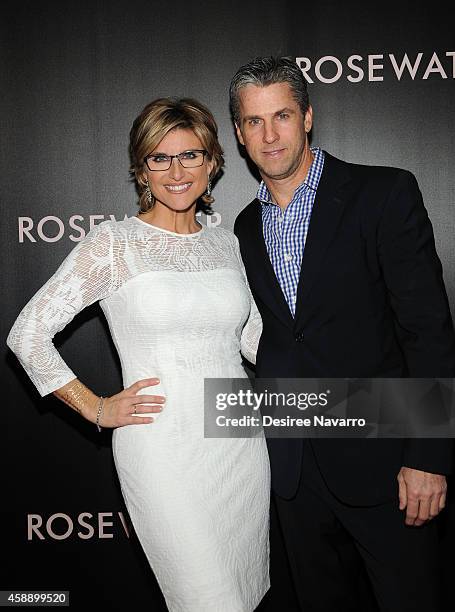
column 299, row 337
column 287, row 257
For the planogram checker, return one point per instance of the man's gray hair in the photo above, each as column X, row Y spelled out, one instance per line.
column 264, row 71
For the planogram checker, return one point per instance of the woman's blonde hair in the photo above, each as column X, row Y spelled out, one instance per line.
column 156, row 120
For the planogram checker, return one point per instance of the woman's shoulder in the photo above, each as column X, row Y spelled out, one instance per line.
column 224, row 240
column 222, row 234
column 118, row 224
column 115, row 228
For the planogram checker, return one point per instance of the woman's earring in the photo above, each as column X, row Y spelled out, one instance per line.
column 148, row 192
column 209, row 188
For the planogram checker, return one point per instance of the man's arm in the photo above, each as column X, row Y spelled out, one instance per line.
column 413, row 275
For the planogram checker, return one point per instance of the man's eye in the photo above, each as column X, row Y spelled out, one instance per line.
column 254, row 121
column 284, row 116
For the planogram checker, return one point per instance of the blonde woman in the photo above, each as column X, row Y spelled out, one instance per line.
column 179, row 309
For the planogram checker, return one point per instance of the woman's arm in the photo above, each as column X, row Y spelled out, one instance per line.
column 252, row 331
column 121, row 409
column 85, row 276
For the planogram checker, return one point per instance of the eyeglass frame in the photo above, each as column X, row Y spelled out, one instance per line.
column 171, row 157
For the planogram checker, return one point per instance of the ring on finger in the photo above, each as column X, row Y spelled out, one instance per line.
column 135, row 410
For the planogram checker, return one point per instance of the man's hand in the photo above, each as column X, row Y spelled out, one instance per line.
column 423, row 494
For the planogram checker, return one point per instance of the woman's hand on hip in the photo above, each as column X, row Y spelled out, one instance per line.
column 125, row 407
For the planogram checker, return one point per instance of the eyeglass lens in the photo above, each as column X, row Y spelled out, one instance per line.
column 188, row 159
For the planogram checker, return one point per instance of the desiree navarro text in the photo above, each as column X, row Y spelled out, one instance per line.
column 268, row 421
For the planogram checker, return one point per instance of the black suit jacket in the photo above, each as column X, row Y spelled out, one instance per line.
column 371, row 303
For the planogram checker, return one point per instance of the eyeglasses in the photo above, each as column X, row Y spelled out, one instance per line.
column 188, row 159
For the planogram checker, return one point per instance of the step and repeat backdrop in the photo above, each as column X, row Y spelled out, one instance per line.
column 74, row 76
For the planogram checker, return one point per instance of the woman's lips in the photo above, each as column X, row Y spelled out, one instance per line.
column 178, row 188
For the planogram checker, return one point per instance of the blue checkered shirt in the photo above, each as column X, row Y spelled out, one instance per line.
column 285, row 232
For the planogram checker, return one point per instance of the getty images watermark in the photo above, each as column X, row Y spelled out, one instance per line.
column 329, row 408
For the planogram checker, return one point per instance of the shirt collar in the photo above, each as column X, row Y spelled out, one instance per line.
column 311, row 181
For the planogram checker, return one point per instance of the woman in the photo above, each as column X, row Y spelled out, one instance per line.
column 176, row 300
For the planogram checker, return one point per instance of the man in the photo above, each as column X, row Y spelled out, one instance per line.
column 342, row 264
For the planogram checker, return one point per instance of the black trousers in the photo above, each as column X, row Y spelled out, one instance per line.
column 329, row 546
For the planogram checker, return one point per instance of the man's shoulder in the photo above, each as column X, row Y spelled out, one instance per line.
column 247, row 215
column 374, row 187
column 366, row 172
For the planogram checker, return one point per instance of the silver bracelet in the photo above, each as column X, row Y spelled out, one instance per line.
column 98, row 414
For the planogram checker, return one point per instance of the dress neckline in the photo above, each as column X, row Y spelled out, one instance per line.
column 165, row 231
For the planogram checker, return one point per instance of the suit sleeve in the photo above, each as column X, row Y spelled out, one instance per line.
column 413, row 276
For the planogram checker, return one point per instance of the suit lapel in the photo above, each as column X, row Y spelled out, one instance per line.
column 265, row 281
column 329, row 204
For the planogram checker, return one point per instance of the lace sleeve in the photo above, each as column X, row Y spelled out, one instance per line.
column 252, row 331
column 84, row 277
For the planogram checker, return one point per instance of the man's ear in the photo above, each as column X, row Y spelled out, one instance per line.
column 239, row 134
column 308, row 121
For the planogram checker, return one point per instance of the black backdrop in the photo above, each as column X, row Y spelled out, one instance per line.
column 74, row 75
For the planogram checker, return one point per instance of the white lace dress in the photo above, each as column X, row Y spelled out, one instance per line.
column 178, row 308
